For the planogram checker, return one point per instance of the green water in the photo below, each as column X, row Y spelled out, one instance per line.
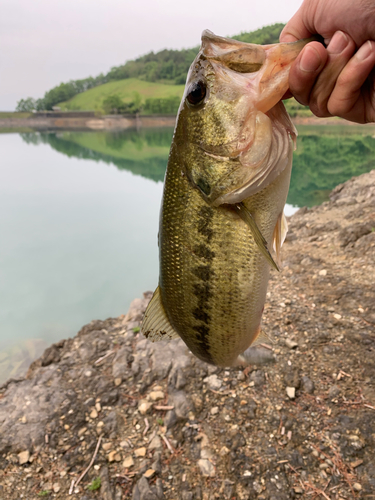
column 79, row 220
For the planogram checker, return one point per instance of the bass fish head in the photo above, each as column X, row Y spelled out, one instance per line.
column 233, row 134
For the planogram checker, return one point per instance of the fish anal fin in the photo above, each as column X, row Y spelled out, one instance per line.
column 279, row 234
column 262, row 339
column 156, row 325
column 259, row 239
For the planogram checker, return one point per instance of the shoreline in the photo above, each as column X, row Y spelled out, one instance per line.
column 88, row 121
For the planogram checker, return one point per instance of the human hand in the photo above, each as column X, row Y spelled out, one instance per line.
column 339, row 80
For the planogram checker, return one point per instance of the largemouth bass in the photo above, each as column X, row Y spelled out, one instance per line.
column 225, row 189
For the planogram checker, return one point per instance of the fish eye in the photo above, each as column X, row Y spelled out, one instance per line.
column 196, row 93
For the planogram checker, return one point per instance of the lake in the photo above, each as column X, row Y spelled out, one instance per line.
column 79, row 221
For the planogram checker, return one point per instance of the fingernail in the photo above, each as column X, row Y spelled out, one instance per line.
column 364, row 51
column 310, row 60
column 338, row 43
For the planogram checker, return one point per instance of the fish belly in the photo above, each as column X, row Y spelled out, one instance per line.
column 213, row 278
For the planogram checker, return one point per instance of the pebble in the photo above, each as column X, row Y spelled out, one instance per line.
column 56, row 487
column 23, row 457
column 144, row 407
column 214, row 410
column 292, row 344
column 291, row 392
column 107, row 446
column 213, row 382
column 149, row 473
column 334, row 391
column 82, row 431
column 113, row 456
column 156, row 395
column 307, row 385
column 224, row 451
column 128, row 462
column 323, row 272
column 357, row 487
column 155, row 443
column 206, row 467
column 140, row 452
column 94, row 414
column 98, row 407
column 118, row 381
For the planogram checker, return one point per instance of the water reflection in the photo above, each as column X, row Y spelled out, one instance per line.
column 325, row 155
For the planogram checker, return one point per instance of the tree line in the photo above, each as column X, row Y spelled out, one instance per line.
column 169, row 66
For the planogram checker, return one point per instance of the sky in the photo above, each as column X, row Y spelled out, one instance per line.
column 46, row 42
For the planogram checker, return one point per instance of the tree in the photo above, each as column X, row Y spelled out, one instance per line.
column 26, row 105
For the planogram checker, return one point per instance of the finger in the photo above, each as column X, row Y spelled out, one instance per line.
column 295, row 29
column 340, row 50
column 305, row 70
column 348, row 99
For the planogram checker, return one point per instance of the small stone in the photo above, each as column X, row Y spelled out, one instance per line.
column 357, row 487
column 207, row 453
column 144, row 407
column 213, row 382
column 298, row 490
column 82, row 431
column 94, row 414
column 88, row 373
column 224, row 451
column 307, row 385
column 291, row 392
column 292, row 344
column 98, row 407
column 118, row 381
column 337, row 316
column 56, row 487
column 113, row 456
column 323, row 272
column 140, row 452
column 23, row 457
column 333, row 392
column 23, row 419
column 155, row 443
column 128, row 462
column 107, row 446
column 214, row 410
column 156, row 395
column 206, row 467
column 149, row 473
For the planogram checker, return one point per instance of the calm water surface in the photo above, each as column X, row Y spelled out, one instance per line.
column 79, row 221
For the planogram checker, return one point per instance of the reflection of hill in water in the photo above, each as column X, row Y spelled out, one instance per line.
column 142, row 153
column 325, row 157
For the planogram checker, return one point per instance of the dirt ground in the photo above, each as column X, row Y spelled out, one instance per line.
column 151, row 422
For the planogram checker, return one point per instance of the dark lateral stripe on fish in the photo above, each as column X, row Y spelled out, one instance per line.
column 205, row 215
column 204, row 252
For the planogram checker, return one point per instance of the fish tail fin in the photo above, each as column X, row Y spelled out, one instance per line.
column 279, row 235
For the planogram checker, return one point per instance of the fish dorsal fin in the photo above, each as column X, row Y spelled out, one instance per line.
column 156, row 325
column 246, row 216
column 279, row 234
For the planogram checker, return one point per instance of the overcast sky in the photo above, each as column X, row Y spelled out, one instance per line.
column 46, row 42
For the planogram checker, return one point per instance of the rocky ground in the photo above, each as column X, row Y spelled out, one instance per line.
column 150, row 422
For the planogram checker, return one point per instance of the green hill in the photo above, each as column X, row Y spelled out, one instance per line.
column 93, row 99
column 163, row 67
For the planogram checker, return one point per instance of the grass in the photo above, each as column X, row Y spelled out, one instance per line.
column 13, row 114
column 92, row 100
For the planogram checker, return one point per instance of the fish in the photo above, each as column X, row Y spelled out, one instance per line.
column 222, row 210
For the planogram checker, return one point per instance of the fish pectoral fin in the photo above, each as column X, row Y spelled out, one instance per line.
column 156, row 325
column 279, row 234
column 246, row 216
